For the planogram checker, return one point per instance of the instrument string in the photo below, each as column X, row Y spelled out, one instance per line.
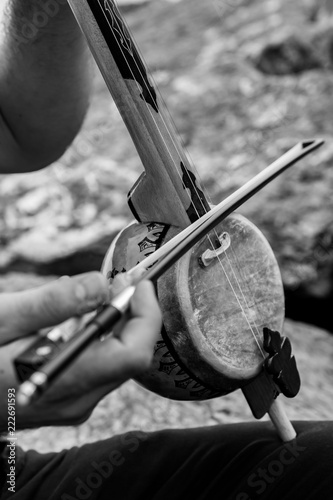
column 238, row 284
column 256, row 336
column 193, row 184
column 176, row 146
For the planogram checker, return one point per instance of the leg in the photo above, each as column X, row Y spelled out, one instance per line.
column 239, row 462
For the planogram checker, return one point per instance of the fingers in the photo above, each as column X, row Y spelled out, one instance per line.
column 24, row 312
column 143, row 329
column 131, row 352
column 146, row 315
column 120, row 282
column 125, row 279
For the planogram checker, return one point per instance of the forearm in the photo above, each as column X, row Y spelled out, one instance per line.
column 45, row 80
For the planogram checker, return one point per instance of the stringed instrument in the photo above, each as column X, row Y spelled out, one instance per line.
column 217, row 299
column 222, row 302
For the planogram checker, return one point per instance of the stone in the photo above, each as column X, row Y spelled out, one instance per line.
column 289, row 56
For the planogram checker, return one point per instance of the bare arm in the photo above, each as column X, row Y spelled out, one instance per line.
column 45, row 81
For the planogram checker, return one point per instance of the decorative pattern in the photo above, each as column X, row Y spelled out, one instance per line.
column 199, row 205
column 122, row 48
column 182, row 380
column 118, row 26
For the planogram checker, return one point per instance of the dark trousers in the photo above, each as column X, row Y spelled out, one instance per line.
column 235, row 461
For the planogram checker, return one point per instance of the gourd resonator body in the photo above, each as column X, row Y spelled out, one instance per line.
column 213, row 312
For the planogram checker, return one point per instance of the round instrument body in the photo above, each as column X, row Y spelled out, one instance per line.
column 214, row 310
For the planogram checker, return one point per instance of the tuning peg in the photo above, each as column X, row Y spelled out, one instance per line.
column 280, row 363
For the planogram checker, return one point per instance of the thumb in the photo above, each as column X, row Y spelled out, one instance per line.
column 23, row 312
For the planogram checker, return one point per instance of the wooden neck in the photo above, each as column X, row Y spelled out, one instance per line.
column 168, row 191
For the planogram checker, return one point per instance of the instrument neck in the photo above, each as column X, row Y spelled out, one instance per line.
column 168, row 192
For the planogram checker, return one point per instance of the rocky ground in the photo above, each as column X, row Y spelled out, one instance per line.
column 244, row 81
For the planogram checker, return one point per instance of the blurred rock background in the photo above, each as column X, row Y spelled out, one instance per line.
column 244, row 80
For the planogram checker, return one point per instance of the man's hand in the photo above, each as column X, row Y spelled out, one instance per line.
column 101, row 368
